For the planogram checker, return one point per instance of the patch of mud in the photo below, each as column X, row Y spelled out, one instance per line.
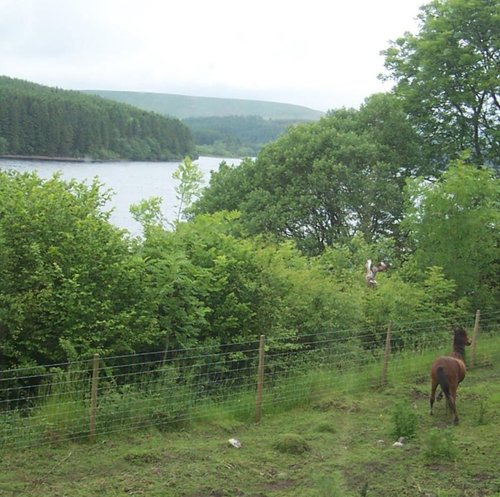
column 418, row 394
column 336, row 405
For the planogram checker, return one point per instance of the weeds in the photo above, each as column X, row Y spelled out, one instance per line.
column 440, row 446
column 404, row 420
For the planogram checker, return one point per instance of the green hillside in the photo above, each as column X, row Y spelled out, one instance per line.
column 183, row 106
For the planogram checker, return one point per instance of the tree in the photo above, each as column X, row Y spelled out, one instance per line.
column 323, row 182
column 454, row 224
column 447, row 76
column 190, row 177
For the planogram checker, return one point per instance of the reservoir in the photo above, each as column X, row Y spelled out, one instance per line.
column 130, row 182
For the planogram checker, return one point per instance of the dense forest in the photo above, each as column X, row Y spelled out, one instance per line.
column 235, row 136
column 278, row 245
column 43, row 121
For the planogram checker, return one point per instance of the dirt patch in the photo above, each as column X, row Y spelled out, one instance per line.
column 336, row 405
column 418, row 394
column 279, row 485
column 210, row 492
column 482, row 477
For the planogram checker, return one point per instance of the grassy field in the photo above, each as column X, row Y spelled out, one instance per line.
column 337, row 442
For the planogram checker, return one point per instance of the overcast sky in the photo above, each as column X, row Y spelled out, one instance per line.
column 322, row 54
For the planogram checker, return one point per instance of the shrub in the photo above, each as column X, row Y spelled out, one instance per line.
column 440, row 444
column 292, row 444
column 405, row 420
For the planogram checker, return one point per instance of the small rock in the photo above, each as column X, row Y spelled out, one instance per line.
column 397, row 444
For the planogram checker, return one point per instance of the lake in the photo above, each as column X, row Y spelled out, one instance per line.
column 130, row 182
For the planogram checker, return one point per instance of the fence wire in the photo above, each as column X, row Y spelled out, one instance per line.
column 167, row 389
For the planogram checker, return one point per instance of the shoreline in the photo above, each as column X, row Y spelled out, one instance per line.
column 46, row 158
column 80, row 160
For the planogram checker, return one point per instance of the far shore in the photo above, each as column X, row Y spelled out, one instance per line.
column 48, row 159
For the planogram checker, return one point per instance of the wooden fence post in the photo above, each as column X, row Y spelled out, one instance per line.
column 93, row 397
column 474, row 339
column 387, row 353
column 260, row 380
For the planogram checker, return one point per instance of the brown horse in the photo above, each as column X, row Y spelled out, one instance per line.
column 449, row 371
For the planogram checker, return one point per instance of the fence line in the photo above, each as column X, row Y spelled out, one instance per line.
column 86, row 399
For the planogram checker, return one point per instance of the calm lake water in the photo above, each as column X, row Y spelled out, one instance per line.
column 130, row 182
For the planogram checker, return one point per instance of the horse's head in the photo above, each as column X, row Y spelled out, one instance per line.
column 460, row 335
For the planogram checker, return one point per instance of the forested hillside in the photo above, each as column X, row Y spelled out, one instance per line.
column 44, row 121
column 235, row 136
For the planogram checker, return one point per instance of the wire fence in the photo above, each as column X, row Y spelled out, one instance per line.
column 82, row 400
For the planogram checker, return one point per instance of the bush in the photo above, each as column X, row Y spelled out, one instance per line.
column 440, row 444
column 405, row 420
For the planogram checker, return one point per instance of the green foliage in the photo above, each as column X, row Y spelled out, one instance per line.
column 481, row 416
column 447, row 77
column 235, row 136
column 159, row 400
column 453, row 224
column 38, row 120
column 190, row 180
column 69, row 282
column 64, row 412
column 440, row 445
column 404, row 420
column 323, row 182
column 148, row 213
column 430, row 302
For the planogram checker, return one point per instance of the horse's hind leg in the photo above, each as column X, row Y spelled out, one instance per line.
column 433, row 394
column 453, row 405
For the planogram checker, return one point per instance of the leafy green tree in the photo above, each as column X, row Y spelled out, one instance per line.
column 447, row 76
column 454, row 224
column 323, row 182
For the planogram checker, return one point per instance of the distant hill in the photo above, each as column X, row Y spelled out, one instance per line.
column 183, row 106
column 37, row 120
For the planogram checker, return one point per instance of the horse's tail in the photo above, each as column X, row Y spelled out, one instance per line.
column 443, row 382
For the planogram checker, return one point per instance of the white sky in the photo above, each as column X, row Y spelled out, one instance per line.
column 322, row 54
